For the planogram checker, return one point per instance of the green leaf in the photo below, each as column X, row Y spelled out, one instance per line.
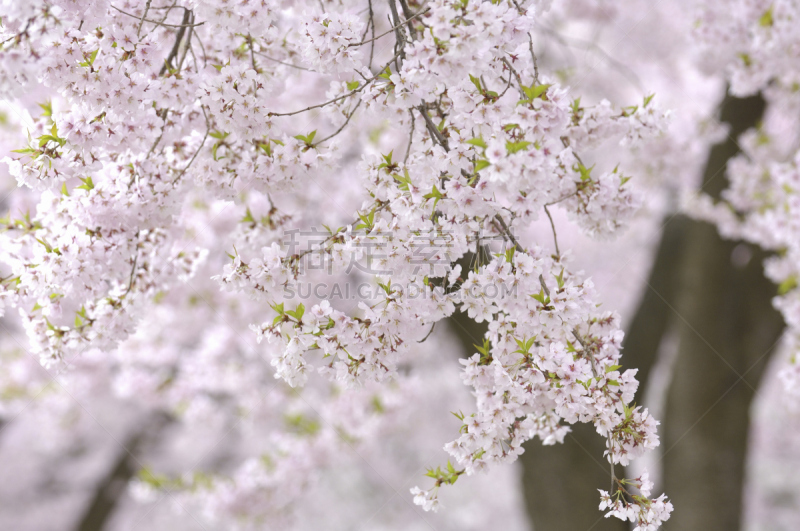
column 47, row 246
column 47, row 108
column 481, row 164
column 745, row 59
column 302, row 424
column 479, row 141
column 586, row 173
column 476, row 82
column 386, row 74
column 787, row 285
column 435, row 194
column 513, row 147
column 352, row 85
column 87, row 184
column 377, row 405
column 220, row 67
column 387, row 161
column 484, row 350
column 90, row 60
column 766, row 19
column 367, row 219
column 560, row 278
column 648, row 99
column 266, row 148
column 576, row 105
column 308, row 139
column 536, row 91
column 520, row 342
column 541, row 297
column 248, row 217
column 404, row 181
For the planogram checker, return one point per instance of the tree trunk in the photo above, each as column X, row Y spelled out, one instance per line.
column 560, row 483
column 726, row 329
column 654, row 313
column 111, row 488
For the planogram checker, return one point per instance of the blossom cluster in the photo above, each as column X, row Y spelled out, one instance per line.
column 647, row 514
column 178, row 145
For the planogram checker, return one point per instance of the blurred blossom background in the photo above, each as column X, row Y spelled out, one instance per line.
column 76, row 443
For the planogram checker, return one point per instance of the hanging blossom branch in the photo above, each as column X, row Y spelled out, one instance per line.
column 147, row 192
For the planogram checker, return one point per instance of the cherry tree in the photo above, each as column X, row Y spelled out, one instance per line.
column 262, row 210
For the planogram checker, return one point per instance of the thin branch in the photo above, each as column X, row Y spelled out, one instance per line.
column 409, row 17
column 433, row 325
column 202, row 49
column 157, row 23
column 349, row 116
column 565, row 143
column 410, row 136
column 508, row 86
column 25, row 32
column 553, row 226
column 144, row 15
column 334, row 100
column 369, row 21
column 516, row 75
column 297, row 257
column 551, row 203
column 253, row 61
column 400, row 41
column 173, row 53
column 535, row 63
column 507, row 232
column 188, row 44
column 372, row 28
column 265, row 56
column 133, row 271
column 390, row 30
column 432, row 129
column 199, row 148
column 611, row 463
